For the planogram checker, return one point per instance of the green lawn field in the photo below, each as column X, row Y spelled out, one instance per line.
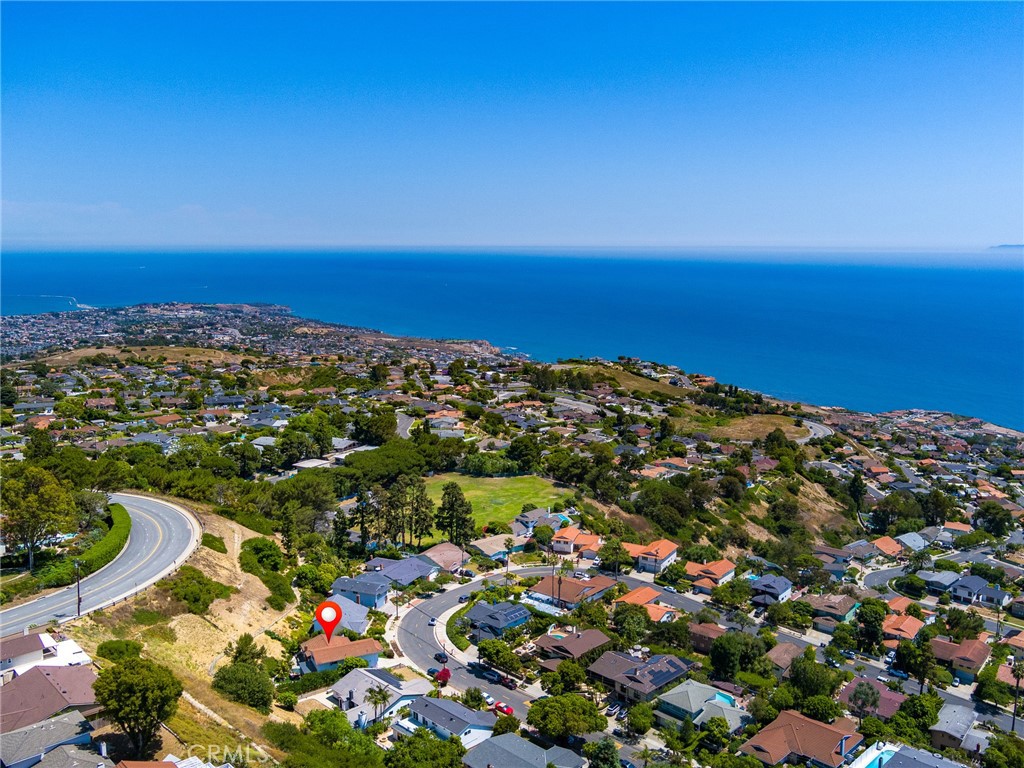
column 499, row 499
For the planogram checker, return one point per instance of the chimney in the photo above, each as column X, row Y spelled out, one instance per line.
column 842, row 745
column 351, row 698
column 362, row 719
column 103, row 749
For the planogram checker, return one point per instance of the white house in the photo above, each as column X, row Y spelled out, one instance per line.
column 350, row 693
column 654, row 557
column 448, row 719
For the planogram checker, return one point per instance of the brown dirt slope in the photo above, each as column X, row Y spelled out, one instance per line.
column 172, row 354
column 755, row 427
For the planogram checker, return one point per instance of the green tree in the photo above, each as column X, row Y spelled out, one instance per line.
column 870, row 617
column 40, row 445
column 543, row 534
column 857, row 489
column 640, row 718
column 994, row 519
column 559, row 717
column 35, row 506
column 421, row 511
column 864, row 700
column 602, row 754
column 247, row 684
column 732, row 652
column 454, row 516
column 506, row 724
column 821, row 708
column 137, row 695
column 246, row 651
column 614, row 556
column 1018, row 674
column 499, row 654
column 422, row 749
column 378, row 697
column 525, row 451
column 632, row 622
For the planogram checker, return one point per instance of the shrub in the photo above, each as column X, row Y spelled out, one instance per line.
column 287, row 699
column 119, row 650
column 247, row 684
column 195, row 589
column 147, row 616
column 62, row 572
column 264, row 559
column 216, row 543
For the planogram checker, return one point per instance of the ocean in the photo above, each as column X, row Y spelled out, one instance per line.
column 869, row 332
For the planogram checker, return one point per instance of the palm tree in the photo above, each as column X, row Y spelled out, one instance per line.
column 646, row 754
column 864, row 699
column 378, row 697
column 509, row 543
column 1018, row 673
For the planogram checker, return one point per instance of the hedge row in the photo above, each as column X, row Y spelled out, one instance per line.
column 62, row 573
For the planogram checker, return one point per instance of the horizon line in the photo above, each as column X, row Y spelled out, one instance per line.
column 208, row 247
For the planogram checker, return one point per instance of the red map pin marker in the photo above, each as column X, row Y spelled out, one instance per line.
column 329, row 616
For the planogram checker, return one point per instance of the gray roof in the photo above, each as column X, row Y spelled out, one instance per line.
column 689, row 696
column 512, row 751
column 954, row 719
column 41, row 737
column 735, row 717
column 353, row 615
column 359, row 681
column 971, row 583
column 772, row 584
column 908, row 757
column 940, row 578
column 365, row 583
column 451, row 715
column 498, row 616
column 912, row 541
column 74, row 757
column 976, row 740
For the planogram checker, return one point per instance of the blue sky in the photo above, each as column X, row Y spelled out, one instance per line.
column 851, row 125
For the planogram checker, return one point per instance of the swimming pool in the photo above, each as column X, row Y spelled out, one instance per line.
column 725, row 698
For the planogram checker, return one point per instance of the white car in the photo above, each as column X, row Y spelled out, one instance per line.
column 883, row 679
column 432, row 622
column 489, row 699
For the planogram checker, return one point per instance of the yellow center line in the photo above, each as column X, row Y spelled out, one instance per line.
column 146, row 559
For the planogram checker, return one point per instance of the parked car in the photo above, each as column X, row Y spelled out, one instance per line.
column 488, row 698
column 613, row 710
column 502, row 707
column 432, row 672
column 899, row 673
column 673, row 590
column 441, row 656
column 619, row 733
column 509, row 683
column 490, row 674
column 432, row 622
column 475, row 667
column 849, row 654
column 884, row 679
column 623, row 714
column 956, row 682
column 463, row 598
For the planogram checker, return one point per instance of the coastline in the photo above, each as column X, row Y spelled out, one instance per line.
column 986, row 424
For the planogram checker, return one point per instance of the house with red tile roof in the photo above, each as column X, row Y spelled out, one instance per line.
column 319, row 655
column 794, row 738
column 901, row 627
column 888, row 546
column 654, row 557
column 707, row 576
column 648, row 597
column 965, row 658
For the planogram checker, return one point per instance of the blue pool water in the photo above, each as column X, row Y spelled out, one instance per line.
column 725, row 699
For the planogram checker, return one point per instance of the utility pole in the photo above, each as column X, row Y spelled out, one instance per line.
column 78, row 578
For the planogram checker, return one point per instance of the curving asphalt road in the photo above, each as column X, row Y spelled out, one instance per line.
column 816, row 430
column 162, row 536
